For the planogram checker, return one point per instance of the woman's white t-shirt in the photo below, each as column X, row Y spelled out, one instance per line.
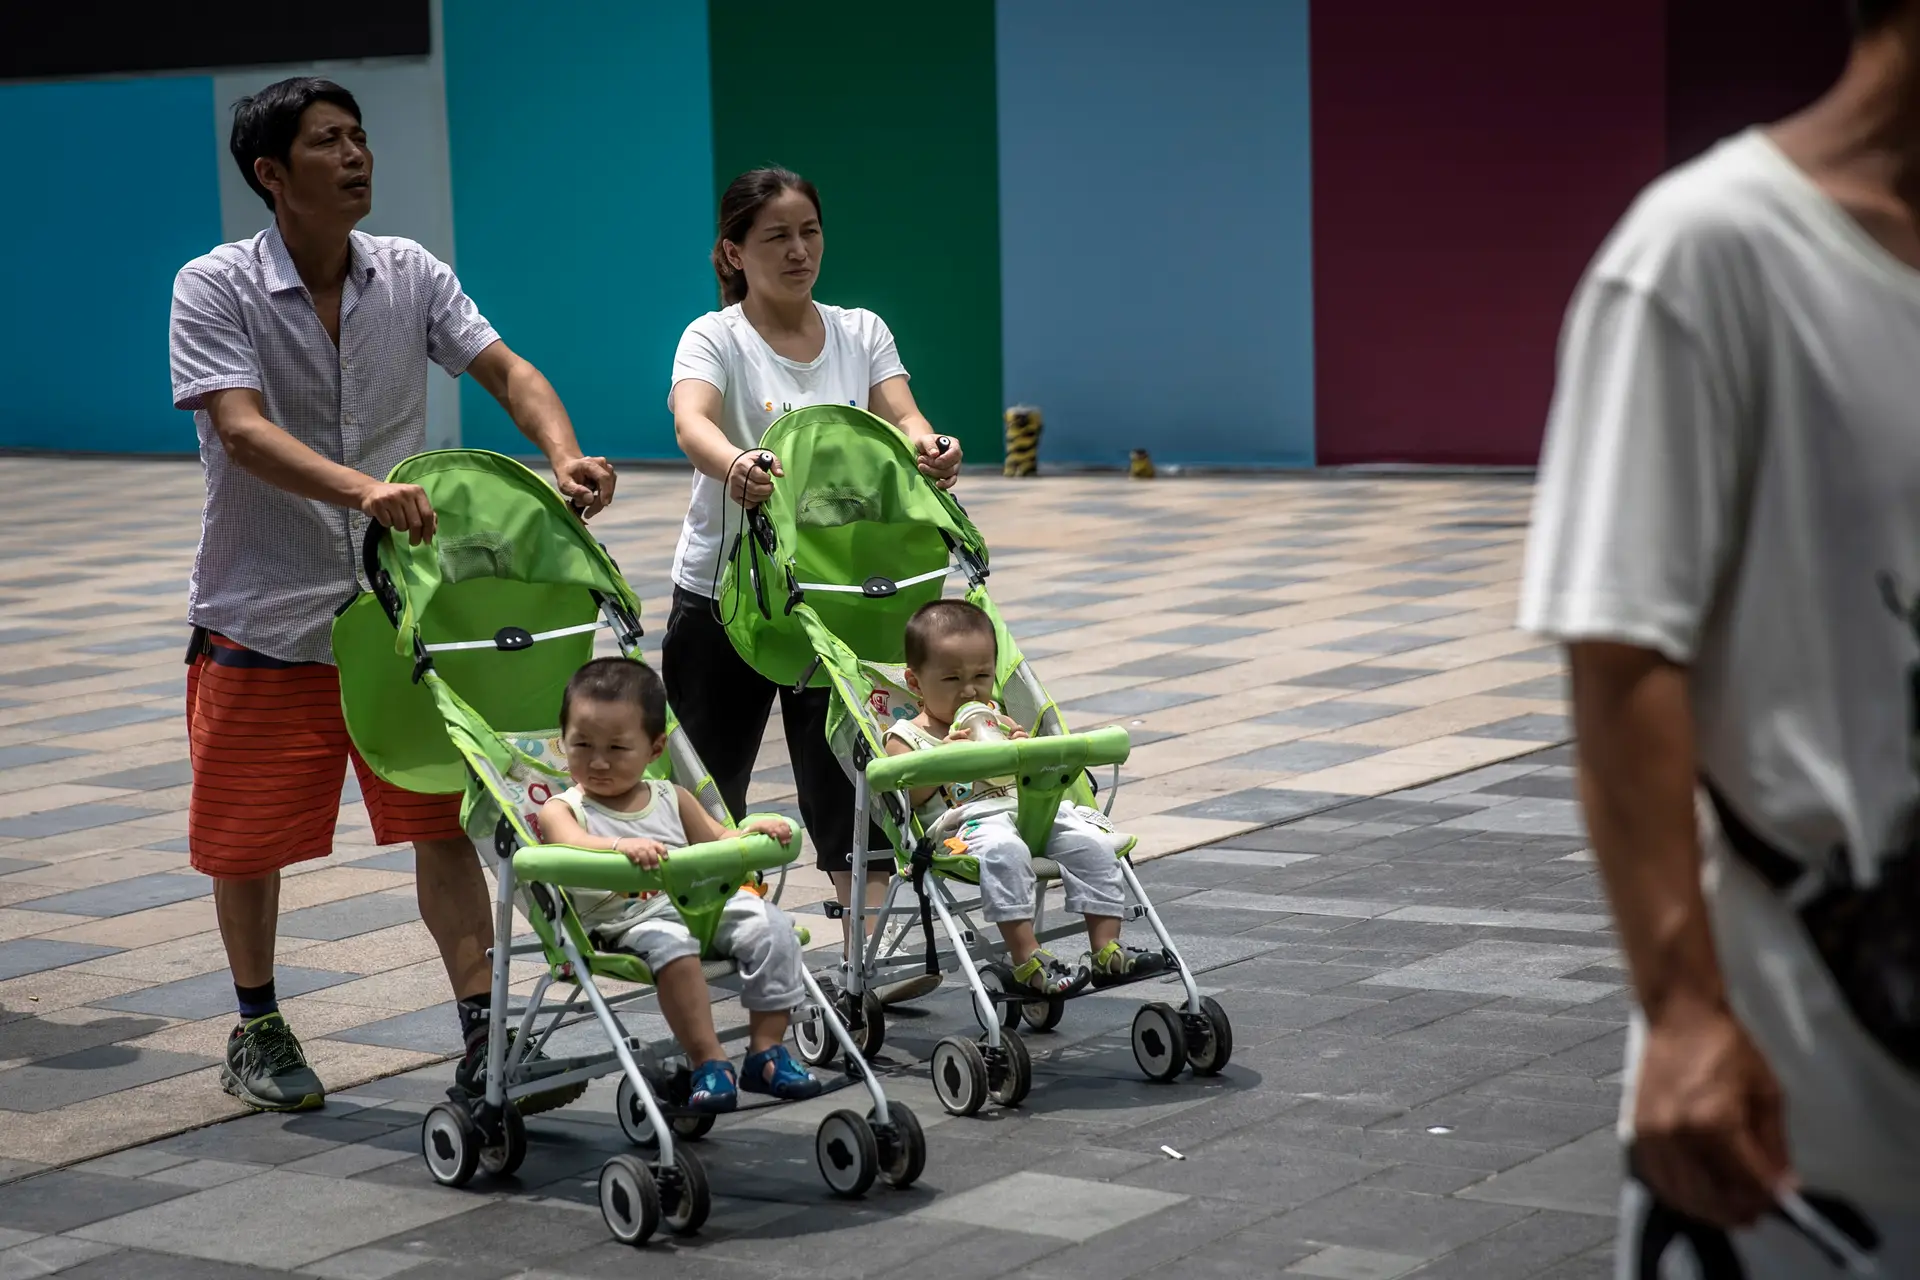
column 758, row 385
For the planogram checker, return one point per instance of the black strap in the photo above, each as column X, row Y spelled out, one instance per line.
column 197, row 645
column 1776, row 868
column 922, row 863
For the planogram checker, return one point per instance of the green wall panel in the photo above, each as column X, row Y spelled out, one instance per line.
column 889, row 109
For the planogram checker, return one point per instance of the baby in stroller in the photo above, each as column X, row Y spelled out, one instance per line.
column 952, row 657
column 613, row 724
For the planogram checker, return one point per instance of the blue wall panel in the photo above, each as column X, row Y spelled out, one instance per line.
column 581, row 147
column 116, row 189
column 1156, row 242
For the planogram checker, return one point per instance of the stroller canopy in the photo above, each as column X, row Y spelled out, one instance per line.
column 502, row 605
column 855, row 529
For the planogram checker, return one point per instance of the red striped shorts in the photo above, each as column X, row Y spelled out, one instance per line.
column 269, row 747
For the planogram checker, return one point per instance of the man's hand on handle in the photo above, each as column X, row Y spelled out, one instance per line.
column 400, row 506
column 750, row 479
column 586, row 483
column 1709, row 1119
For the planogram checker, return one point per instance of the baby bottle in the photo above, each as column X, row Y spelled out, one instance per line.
column 979, row 721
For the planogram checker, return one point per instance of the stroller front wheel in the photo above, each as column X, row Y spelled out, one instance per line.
column 1010, row 1070
column 1209, row 1038
column 848, row 1154
column 903, row 1145
column 959, row 1076
column 629, row 1200
column 450, row 1142
column 1159, row 1042
column 503, row 1158
column 685, row 1199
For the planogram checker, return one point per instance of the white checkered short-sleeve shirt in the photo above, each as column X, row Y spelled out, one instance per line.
column 272, row 567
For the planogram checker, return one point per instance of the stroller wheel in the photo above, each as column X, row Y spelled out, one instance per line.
column 685, row 1200
column 998, row 979
column 1043, row 1015
column 1010, row 1070
column 632, row 1116
column 629, row 1200
column 1159, row 1042
column 451, row 1144
column 903, row 1145
column 872, row 1031
column 959, row 1076
column 814, row 1039
column 1209, row 1038
column 847, row 1153
column 501, row 1160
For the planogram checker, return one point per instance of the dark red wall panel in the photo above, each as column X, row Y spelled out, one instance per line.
column 1469, row 157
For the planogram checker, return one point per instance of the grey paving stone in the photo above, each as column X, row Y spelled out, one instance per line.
column 1389, row 1221
column 1075, row 1208
column 1528, row 969
column 1404, row 613
column 75, row 817
column 171, row 846
column 1527, row 1249
column 1544, row 688
column 1340, row 1262
column 1580, row 1177
column 1169, row 666
column 134, row 1162
column 137, row 644
column 1202, row 633
column 14, row 1170
column 1358, row 677
column 10, row 865
column 21, row 757
column 1527, row 728
column 1384, row 643
column 376, row 1264
column 1245, row 857
column 1301, row 757
column 348, row 1161
column 1334, row 713
column 1547, row 784
column 1541, row 1126
column 1260, row 804
column 434, row 1030
column 153, row 777
column 21, row 635
column 103, row 718
column 35, row 955
column 198, row 1175
column 1545, row 653
column 1525, row 816
column 209, row 994
column 1259, row 581
column 1232, row 606
column 1421, row 588
column 49, row 1255
column 1523, row 1033
column 165, row 588
column 10, row 1237
column 336, row 1214
column 119, row 897
column 139, row 1264
column 90, row 1073
column 350, row 917
column 1131, row 702
column 397, row 859
column 62, row 1199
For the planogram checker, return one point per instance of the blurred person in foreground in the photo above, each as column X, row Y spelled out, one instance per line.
column 1727, row 537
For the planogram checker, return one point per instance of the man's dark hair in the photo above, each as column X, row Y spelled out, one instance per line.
column 944, row 618
column 619, row 680
column 266, row 123
column 1870, row 15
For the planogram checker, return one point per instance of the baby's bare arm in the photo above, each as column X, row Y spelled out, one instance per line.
column 558, row 825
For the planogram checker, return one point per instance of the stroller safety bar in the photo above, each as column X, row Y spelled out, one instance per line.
column 1025, row 758
column 509, row 639
column 877, row 587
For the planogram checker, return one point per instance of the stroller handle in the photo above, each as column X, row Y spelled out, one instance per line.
column 720, row 866
column 1066, row 753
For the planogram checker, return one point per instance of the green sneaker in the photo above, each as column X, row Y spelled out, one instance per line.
column 267, row 1069
column 1049, row 976
column 1114, row 964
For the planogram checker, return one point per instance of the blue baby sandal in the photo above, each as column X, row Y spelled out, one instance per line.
column 712, row 1088
column 791, row 1082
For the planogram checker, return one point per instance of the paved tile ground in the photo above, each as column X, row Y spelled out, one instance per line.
column 1389, row 893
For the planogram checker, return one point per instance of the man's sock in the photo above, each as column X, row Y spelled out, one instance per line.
column 256, row 1002
column 473, row 1017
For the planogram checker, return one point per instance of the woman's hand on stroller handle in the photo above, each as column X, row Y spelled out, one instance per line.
column 750, row 478
column 402, row 507
column 939, row 459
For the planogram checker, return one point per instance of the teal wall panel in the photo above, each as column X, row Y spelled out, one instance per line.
column 580, row 144
column 116, row 189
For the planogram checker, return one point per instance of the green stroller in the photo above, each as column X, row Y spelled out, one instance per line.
column 818, row 590
column 451, row 668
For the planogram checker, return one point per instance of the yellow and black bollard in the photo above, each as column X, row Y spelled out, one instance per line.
column 1140, row 466
column 1023, row 441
